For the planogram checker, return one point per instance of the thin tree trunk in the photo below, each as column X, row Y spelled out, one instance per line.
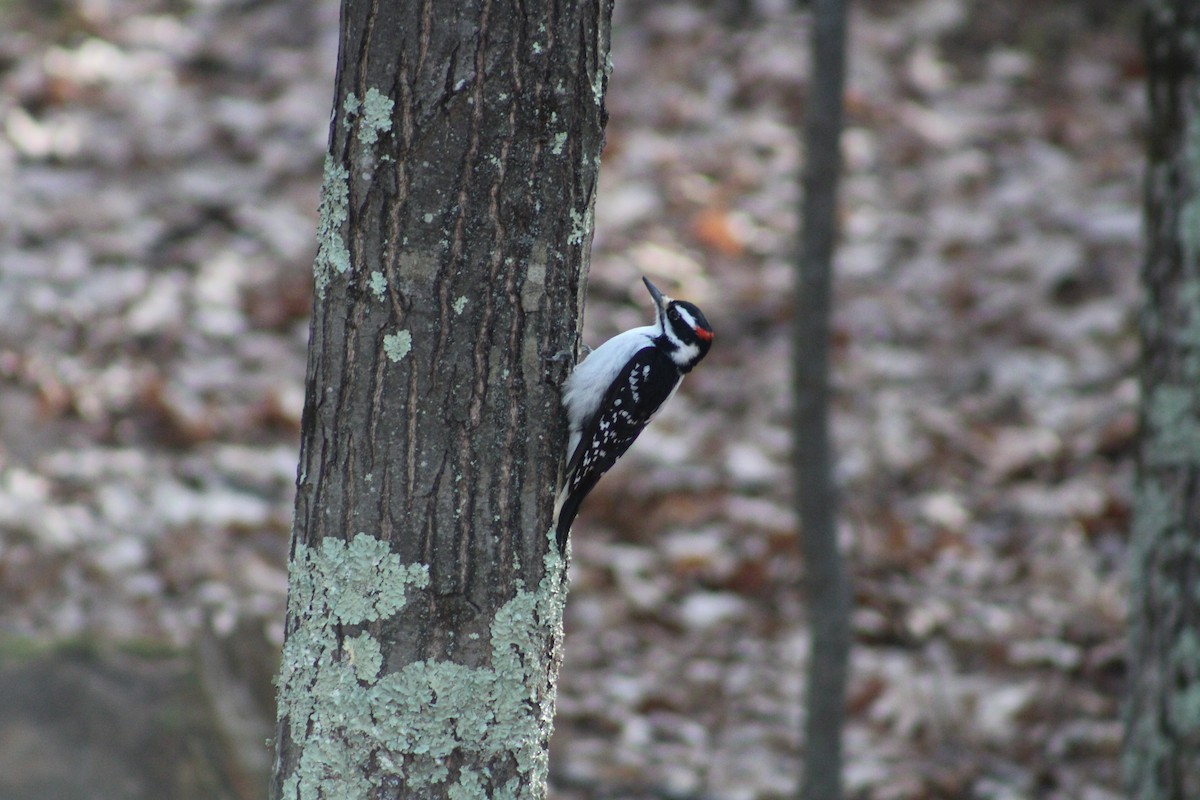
column 424, row 615
column 816, row 492
column 1162, row 747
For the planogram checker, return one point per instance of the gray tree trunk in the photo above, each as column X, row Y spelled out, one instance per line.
column 424, row 613
column 1162, row 748
column 816, row 493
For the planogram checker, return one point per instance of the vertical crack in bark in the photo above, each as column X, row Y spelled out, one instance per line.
column 535, row 158
column 410, row 456
column 377, row 411
column 387, row 527
column 362, row 63
column 426, row 26
column 516, row 385
column 348, row 438
column 402, row 87
column 489, row 338
column 445, row 273
column 432, row 523
column 467, row 471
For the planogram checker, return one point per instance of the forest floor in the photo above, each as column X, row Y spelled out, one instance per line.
column 159, row 170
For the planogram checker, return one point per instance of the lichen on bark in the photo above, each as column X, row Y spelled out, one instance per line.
column 416, row 718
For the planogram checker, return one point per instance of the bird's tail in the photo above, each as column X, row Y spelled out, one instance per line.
column 565, row 508
column 570, row 498
column 564, row 515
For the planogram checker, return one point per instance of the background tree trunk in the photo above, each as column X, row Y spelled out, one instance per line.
column 424, row 613
column 1162, row 749
column 816, row 492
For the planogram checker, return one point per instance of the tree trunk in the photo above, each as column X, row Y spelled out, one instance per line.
column 424, row 612
column 1162, row 748
column 816, row 492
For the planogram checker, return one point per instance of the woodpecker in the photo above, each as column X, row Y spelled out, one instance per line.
column 618, row 388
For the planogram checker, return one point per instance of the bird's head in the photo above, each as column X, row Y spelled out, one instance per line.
column 684, row 329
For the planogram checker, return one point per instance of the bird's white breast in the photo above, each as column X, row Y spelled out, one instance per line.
column 586, row 386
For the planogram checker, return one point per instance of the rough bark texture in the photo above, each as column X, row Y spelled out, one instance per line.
column 816, row 493
column 424, row 615
column 1162, row 751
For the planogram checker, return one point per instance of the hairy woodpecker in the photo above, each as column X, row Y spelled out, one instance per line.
column 614, row 392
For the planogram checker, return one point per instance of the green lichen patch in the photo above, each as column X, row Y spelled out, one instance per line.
column 378, row 285
column 333, row 213
column 489, row 714
column 599, row 80
column 365, row 655
column 580, row 227
column 1174, row 424
column 321, row 692
column 469, row 786
column 396, row 345
column 493, row 718
column 376, row 116
column 364, row 581
column 373, row 113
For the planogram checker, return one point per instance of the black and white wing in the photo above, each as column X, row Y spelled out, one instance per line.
column 633, row 398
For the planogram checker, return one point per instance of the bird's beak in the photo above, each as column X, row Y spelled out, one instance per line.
column 659, row 299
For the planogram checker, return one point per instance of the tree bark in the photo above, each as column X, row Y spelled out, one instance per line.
column 816, row 492
column 1162, row 715
column 424, row 629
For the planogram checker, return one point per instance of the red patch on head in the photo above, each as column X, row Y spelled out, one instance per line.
column 703, row 334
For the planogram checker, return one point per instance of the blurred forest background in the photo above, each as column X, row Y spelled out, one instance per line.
column 159, row 169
